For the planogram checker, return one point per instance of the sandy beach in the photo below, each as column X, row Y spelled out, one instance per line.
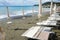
column 14, row 31
column 13, row 11
column 19, row 26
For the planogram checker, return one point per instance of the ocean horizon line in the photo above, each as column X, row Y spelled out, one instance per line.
column 17, row 6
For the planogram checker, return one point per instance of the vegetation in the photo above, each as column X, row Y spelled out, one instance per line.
column 47, row 4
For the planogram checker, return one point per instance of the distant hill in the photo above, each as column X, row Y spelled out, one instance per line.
column 36, row 5
column 47, row 4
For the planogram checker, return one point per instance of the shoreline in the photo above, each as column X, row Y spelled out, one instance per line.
column 27, row 15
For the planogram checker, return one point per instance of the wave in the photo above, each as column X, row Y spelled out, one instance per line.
column 2, row 16
column 18, row 13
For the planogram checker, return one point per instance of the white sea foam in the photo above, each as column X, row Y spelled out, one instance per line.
column 30, row 11
column 17, row 13
column 2, row 16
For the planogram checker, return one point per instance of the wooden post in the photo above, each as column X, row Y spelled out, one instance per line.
column 8, row 17
column 33, row 11
column 55, row 7
column 7, row 12
column 51, row 7
column 23, row 12
column 40, row 9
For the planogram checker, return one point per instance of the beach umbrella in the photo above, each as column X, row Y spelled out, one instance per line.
column 40, row 9
column 51, row 7
column 8, row 16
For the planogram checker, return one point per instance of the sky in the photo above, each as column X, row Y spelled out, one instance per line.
column 21, row 2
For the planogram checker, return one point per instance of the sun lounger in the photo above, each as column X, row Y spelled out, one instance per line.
column 9, row 22
column 38, row 32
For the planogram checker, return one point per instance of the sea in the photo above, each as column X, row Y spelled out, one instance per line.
column 17, row 10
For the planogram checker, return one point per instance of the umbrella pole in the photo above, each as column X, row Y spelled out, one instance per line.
column 51, row 7
column 55, row 7
column 8, row 16
column 23, row 13
column 33, row 11
column 40, row 10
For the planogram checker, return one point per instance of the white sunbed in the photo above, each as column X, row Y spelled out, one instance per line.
column 39, row 23
column 55, row 14
column 53, row 18
column 9, row 22
column 37, row 32
column 48, row 23
column 51, row 23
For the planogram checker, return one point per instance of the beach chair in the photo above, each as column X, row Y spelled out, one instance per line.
column 9, row 22
column 37, row 33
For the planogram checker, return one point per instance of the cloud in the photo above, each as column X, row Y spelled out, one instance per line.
column 21, row 2
column 30, row 2
column 11, row 2
column 18, row 2
column 15, row 2
column 50, row 0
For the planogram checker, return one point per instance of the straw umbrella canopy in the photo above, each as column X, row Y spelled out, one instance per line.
column 40, row 9
column 51, row 7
